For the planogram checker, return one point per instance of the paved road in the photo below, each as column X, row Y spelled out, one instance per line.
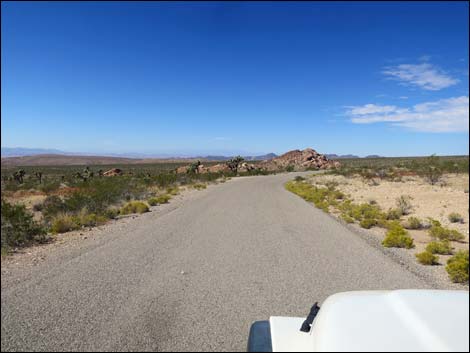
column 248, row 248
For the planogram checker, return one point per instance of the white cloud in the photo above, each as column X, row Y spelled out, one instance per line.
column 425, row 76
column 372, row 108
column 445, row 115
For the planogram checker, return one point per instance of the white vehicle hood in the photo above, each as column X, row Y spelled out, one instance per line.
column 402, row 320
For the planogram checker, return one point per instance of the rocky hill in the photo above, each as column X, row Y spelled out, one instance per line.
column 300, row 160
column 295, row 160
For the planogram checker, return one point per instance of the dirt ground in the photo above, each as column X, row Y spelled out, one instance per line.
column 435, row 201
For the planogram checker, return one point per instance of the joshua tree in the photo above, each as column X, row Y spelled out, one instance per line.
column 234, row 163
column 87, row 173
column 194, row 167
column 39, row 176
column 18, row 176
column 79, row 175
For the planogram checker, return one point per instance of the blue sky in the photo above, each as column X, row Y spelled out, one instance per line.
column 235, row 77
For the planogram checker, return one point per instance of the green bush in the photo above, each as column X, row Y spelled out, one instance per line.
column 86, row 219
column 298, row 178
column 347, row 218
column 361, row 211
column 443, row 233
column 439, row 247
column 413, row 223
column 52, row 205
column 432, row 169
column 457, row 267
column 48, row 187
column 321, row 197
column 63, row 222
column 290, row 168
column 397, row 237
column 174, row 190
column 19, row 227
column 154, row 201
column 455, row 217
column 427, row 258
column 111, row 213
column 367, row 223
column 134, row 207
column 393, row 214
column 199, row 186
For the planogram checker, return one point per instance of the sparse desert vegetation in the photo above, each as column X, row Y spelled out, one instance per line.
column 419, row 204
column 40, row 201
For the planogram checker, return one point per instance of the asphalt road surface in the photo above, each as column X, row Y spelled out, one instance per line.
column 193, row 278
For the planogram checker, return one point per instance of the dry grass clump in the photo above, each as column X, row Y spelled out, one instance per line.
column 134, row 207
column 427, row 258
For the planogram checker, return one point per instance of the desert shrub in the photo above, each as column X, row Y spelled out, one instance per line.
column 365, row 211
column 432, row 170
column 52, row 205
column 79, row 200
column 290, row 168
column 321, row 197
column 86, row 219
column 457, row 267
column 397, row 237
column 111, row 213
column 165, row 179
column 174, row 190
column 63, row 222
column 439, row 247
column 347, row 218
column 427, row 258
column 98, row 194
column 443, row 233
column 298, row 178
column 393, row 214
column 134, row 207
column 50, row 186
column 455, row 217
column 199, row 186
column 413, row 223
column 18, row 226
column 368, row 223
column 404, row 204
column 384, row 223
column 154, row 201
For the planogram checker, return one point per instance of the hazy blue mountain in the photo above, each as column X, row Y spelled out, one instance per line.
column 21, row 151
column 342, row 156
column 263, row 157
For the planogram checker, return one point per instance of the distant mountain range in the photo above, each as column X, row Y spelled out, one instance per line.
column 22, row 152
column 263, row 157
column 7, row 152
column 335, row 156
